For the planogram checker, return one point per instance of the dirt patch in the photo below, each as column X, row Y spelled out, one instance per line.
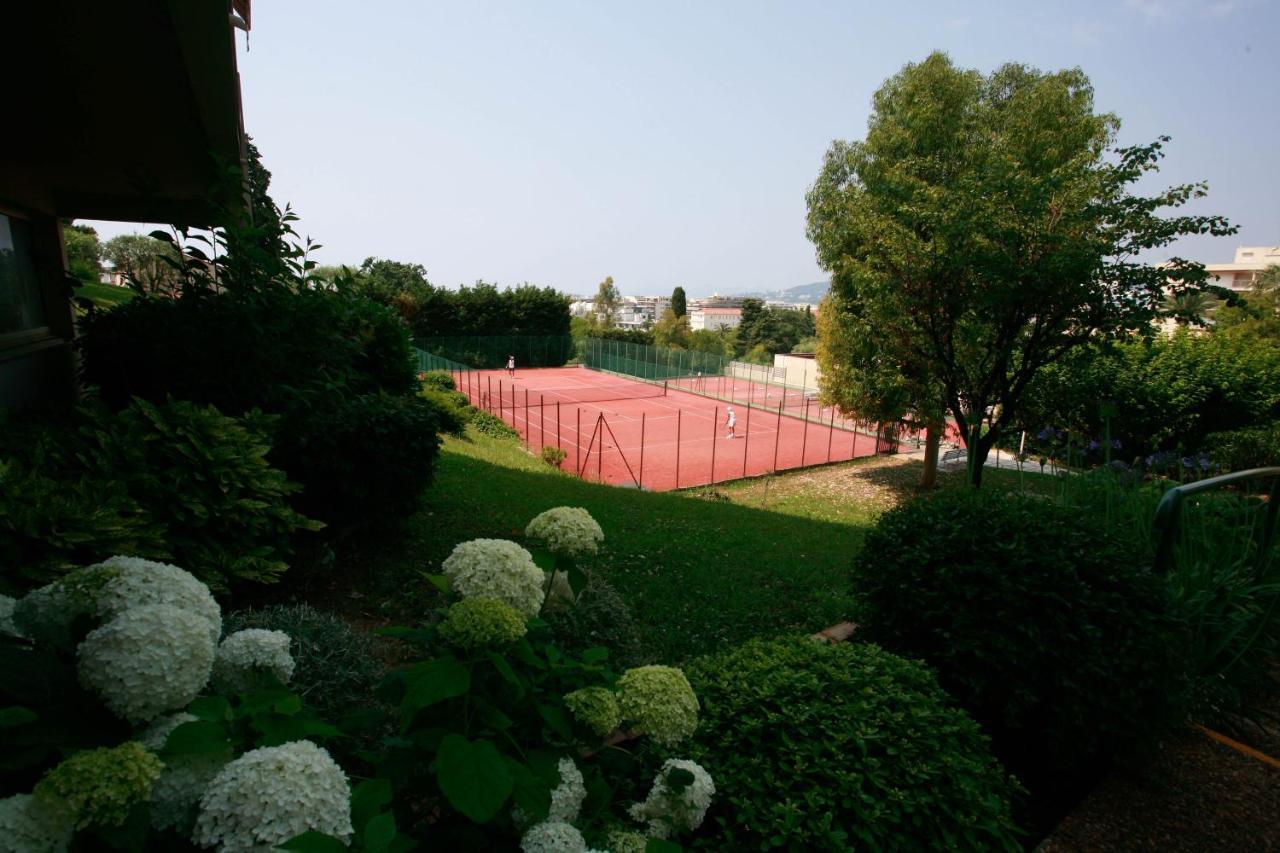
column 1198, row 795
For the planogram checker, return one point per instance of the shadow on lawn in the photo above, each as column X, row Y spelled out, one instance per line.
column 696, row 573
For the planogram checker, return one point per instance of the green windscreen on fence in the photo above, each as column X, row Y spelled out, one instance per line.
column 431, row 361
column 489, row 352
column 646, row 362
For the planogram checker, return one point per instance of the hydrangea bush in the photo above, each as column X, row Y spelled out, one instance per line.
column 567, row 531
column 518, row 740
column 104, row 653
column 678, row 801
column 497, row 569
column 273, row 794
column 251, row 658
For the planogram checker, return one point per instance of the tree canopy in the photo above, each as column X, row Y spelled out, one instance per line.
column 986, row 226
column 679, row 302
column 608, row 298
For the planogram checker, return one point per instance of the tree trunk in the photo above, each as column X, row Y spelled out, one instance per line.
column 932, row 441
column 978, row 452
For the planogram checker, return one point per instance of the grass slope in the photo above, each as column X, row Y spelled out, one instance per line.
column 699, row 569
column 697, row 572
column 104, row 295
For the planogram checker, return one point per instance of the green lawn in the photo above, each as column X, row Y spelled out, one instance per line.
column 104, row 295
column 699, row 569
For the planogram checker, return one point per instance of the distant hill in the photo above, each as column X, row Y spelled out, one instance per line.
column 799, row 295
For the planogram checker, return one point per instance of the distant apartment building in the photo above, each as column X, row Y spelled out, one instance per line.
column 715, row 301
column 1240, row 274
column 714, row 318
column 582, row 308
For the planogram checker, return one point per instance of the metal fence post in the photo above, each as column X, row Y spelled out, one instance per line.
column 804, row 442
column 542, row 421
column 746, row 440
column 831, row 431
column 557, row 424
column 527, row 429
column 600, row 450
column 776, row 436
column 679, row 412
column 577, row 444
column 715, row 429
column 640, row 479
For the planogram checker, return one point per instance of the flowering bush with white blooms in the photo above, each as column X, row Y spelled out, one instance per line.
column 658, row 701
column 627, row 842
column 476, row 623
column 272, row 794
column 498, row 569
column 147, row 660
column 31, row 824
column 134, row 582
column 678, row 800
column 176, row 793
column 596, row 708
column 553, row 836
column 246, row 659
column 568, row 796
column 101, row 786
column 107, row 589
column 567, row 531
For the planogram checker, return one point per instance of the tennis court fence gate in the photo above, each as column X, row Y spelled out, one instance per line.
column 542, row 424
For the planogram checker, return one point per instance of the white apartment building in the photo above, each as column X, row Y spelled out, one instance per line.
column 713, row 318
column 1240, row 274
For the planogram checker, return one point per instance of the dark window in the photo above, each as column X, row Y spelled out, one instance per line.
column 21, row 307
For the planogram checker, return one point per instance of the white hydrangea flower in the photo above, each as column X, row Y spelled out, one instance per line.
column 7, row 606
column 30, row 824
column 136, row 582
column 147, row 660
column 569, row 531
column 176, row 794
column 568, row 796
column 245, row 656
column 105, row 590
column 499, row 569
column 667, row 811
column 553, row 836
column 271, row 794
column 45, row 614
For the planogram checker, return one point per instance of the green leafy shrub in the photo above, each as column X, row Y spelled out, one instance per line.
column 1242, row 449
column 600, row 617
column 178, row 473
column 492, row 425
column 241, row 352
column 1058, row 640
column 451, row 408
column 338, row 666
column 441, row 380
column 553, row 456
column 50, row 524
column 838, row 747
column 360, row 458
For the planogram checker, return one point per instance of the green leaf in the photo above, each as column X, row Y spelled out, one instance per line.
column 505, row 670
column 658, row 845
column 16, row 715
column 430, row 682
column 314, row 842
column 379, row 832
column 199, row 737
column 211, row 708
column 530, row 791
column 473, row 777
column 556, row 719
column 595, row 654
column 440, row 582
column 367, row 800
column 577, row 581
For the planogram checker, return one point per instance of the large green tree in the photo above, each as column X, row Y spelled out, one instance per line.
column 608, row 298
column 679, row 302
column 84, row 252
column 986, row 225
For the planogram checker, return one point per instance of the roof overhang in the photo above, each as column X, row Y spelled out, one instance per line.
column 127, row 111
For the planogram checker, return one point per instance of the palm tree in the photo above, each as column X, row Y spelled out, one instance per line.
column 1190, row 308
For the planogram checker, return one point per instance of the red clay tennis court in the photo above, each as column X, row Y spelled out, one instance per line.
column 655, row 436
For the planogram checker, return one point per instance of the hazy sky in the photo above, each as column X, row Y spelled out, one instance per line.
column 672, row 143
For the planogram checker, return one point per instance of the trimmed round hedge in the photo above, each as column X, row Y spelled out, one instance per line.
column 1059, row 641
column 816, row 746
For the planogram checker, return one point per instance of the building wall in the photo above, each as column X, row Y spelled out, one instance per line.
column 798, row 371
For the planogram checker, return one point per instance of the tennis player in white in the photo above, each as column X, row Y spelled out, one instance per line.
column 730, row 420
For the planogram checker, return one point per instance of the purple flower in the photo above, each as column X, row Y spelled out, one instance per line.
column 1095, row 445
column 1115, row 444
column 1187, row 462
